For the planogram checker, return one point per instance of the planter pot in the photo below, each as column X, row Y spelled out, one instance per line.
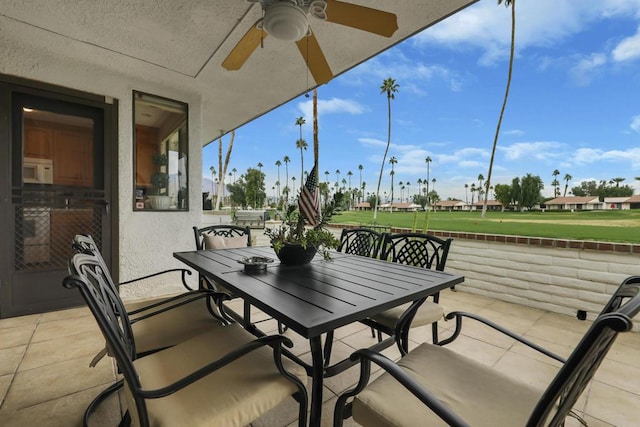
column 292, row 254
column 160, row 202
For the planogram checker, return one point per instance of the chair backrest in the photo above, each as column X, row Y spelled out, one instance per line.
column 232, row 236
column 88, row 275
column 85, row 244
column 417, row 249
column 360, row 241
column 580, row 367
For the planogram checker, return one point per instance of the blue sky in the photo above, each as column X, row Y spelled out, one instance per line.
column 574, row 103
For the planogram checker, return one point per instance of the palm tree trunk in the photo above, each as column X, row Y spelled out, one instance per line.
column 504, row 102
column 384, row 158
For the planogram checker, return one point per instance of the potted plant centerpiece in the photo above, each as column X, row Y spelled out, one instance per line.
column 296, row 244
column 160, row 180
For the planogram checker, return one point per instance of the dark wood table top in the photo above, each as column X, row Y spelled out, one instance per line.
column 323, row 295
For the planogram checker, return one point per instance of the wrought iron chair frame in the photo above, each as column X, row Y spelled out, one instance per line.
column 557, row 401
column 401, row 247
column 87, row 274
column 360, row 241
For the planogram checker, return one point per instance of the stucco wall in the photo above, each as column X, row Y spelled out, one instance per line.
column 561, row 280
column 147, row 239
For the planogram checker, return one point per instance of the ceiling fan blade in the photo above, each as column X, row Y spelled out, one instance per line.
column 313, row 56
column 361, row 17
column 245, row 47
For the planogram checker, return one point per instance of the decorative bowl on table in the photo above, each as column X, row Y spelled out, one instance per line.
column 296, row 254
column 255, row 264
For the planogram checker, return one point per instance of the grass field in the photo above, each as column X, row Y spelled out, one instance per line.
column 604, row 226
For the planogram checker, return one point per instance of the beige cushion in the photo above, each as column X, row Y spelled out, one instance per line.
column 428, row 313
column 170, row 327
column 232, row 396
column 219, row 242
column 480, row 395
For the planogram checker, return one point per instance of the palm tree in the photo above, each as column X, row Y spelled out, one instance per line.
column 555, row 184
column 480, row 190
column 360, row 167
column 390, row 87
column 392, row 161
column 278, row 164
column 349, row 174
column 507, row 3
column 617, row 181
column 299, row 122
column 428, row 161
column 408, row 184
column 466, row 195
column 337, row 175
column 260, row 165
column 213, row 180
column 567, row 178
column 301, row 144
column 234, row 170
column 473, row 191
column 326, row 174
column 286, row 161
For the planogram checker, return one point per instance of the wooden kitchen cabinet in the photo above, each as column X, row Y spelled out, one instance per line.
column 147, row 145
column 37, row 141
column 65, row 225
column 73, row 157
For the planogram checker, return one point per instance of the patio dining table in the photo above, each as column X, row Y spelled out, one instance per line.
column 318, row 297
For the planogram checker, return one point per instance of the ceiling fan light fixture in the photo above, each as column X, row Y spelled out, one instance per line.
column 285, row 21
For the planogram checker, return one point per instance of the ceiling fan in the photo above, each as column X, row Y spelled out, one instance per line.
column 289, row 20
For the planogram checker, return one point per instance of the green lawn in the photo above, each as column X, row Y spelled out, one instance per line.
column 608, row 226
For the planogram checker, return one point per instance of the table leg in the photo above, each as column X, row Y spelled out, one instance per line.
column 317, row 380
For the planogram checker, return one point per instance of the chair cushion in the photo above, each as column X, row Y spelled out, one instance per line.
column 480, row 395
column 170, row 327
column 212, row 241
column 232, row 396
column 428, row 313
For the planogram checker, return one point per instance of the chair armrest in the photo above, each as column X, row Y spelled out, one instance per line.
column 458, row 315
column 275, row 341
column 173, row 302
column 184, row 273
column 367, row 356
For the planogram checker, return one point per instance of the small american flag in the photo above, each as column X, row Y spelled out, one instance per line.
column 309, row 200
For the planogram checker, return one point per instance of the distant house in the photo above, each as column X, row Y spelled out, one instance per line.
column 632, row 202
column 363, row 206
column 402, row 207
column 450, row 205
column 615, row 202
column 492, row 205
column 574, row 203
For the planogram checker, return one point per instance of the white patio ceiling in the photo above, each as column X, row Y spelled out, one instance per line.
column 183, row 43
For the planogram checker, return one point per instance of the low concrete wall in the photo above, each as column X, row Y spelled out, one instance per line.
column 561, row 276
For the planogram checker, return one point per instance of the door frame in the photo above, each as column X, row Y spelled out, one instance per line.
column 109, row 108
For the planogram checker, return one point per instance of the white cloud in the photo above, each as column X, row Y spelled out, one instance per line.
column 330, row 106
column 514, row 132
column 541, row 150
column 628, row 49
column 372, row 142
column 635, row 123
column 486, row 26
column 592, row 156
column 586, row 67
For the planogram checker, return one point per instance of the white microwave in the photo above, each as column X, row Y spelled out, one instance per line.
column 37, row 171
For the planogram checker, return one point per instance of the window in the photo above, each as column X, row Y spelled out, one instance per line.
column 161, row 141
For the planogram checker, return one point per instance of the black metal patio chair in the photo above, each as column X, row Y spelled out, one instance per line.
column 224, row 236
column 433, row 385
column 223, row 376
column 420, row 250
column 157, row 323
column 360, row 241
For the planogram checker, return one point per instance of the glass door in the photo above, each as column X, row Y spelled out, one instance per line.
column 57, row 191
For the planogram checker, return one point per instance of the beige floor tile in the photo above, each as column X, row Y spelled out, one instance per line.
column 14, row 322
column 554, row 333
column 5, row 382
column 620, row 375
column 614, row 406
column 482, row 332
column 53, row 381
column 629, row 339
column 10, row 358
column 559, row 349
column 526, row 369
column 66, row 314
column 65, row 327
column 64, row 411
column 513, row 321
column 351, row 329
column 19, row 335
column 56, row 350
column 564, row 322
column 515, row 310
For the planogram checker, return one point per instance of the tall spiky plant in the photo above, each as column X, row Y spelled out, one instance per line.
column 390, row 87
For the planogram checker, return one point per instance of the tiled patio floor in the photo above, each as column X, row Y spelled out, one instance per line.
column 45, row 379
